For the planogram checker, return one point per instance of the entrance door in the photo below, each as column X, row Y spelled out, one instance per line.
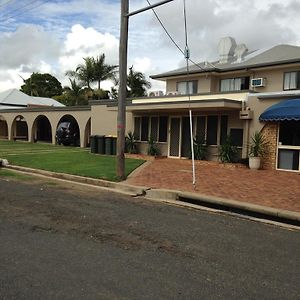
column 174, row 149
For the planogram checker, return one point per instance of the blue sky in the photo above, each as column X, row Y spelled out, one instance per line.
column 53, row 36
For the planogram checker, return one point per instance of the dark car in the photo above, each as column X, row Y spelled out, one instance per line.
column 67, row 133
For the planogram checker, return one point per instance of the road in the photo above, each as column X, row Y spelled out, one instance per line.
column 64, row 241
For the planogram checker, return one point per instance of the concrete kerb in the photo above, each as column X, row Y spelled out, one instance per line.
column 177, row 197
column 129, row 189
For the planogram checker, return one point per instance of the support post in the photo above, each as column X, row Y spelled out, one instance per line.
column 121, row 121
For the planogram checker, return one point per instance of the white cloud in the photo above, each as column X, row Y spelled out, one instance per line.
column 48, row 40
column 82, row 42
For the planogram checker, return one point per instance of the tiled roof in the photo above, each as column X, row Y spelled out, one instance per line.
column 276, row 55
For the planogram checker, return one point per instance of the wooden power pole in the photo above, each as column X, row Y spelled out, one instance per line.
column 123, row 48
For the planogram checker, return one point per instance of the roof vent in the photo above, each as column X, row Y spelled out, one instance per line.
column 226, row 49
column 240, row 51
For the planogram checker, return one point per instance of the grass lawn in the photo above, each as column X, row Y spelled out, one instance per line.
column 62, row 159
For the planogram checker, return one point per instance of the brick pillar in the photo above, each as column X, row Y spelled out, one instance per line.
column 270, row 132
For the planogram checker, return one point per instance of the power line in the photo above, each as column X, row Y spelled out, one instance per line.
column 171, row 38
column 24, row 12
column 3, row 4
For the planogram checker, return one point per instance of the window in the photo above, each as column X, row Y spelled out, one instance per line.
column 236, row 135
column 224, row 126
column 163, row 129
column 192, row 87
column 137, row 128
column 156, row 127
column 234, row 84
column 212, row 130
column 291, row 81
column 145, row 129
column 289, row 133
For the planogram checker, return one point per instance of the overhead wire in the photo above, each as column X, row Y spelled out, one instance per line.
column 5, row 3
column 172, row 39
column 23, row 11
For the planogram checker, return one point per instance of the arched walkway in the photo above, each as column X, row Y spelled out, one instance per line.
column 19, row 128
column 87, row 133
column 41, row 129
column 67, row 131
column 3, row 128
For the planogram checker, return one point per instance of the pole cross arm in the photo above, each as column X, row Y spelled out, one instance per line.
column 147, row 8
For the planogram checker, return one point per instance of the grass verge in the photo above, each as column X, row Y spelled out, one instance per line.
column 61, row 159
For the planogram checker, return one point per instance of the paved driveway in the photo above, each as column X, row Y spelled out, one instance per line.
column 277, row 189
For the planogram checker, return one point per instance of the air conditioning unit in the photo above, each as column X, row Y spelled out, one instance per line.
column 156, row 94
column 258, row 82
column 173, row 93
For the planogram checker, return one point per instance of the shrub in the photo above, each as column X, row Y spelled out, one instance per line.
column 152, row 147
column 200, row 148
column 227, row 152
column 130, row 143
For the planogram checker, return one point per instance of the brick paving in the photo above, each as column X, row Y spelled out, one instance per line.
column 278, row 189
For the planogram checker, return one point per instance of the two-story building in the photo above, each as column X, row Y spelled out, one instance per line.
column 240, row 93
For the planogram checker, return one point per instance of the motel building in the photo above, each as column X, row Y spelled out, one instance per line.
column 238, row 94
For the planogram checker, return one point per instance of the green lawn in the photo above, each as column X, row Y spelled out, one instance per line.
column 62, row 159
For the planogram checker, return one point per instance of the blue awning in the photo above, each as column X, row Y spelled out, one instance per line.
column 286, row 110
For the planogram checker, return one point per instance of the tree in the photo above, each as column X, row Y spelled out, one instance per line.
column 103, row 71
column 137, row 83
column 84, row 72
column 41, row 85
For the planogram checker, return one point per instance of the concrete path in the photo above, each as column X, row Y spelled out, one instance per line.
column 277, row 189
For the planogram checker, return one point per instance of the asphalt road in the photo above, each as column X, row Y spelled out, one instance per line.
column 69, row 242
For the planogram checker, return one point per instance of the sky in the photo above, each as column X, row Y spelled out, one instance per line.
column 53, row 36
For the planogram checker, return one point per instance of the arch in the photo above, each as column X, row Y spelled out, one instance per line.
column 3, row 128
column 41, row 129
column 87, row 133
column 19, row 128
column 67, row 131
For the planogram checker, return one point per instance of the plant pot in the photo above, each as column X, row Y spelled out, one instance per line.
column 254, row 163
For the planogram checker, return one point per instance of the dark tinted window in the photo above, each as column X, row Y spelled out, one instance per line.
column 163, row 129
column 236, row 135
column 212, row 130
column 137, row 128
column 224, row 124
column 154, row 128
column 145, row 129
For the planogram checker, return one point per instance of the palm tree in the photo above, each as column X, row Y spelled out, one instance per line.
column 75, row 94
column 137, row 83
column 102, row 71
column 84, row 72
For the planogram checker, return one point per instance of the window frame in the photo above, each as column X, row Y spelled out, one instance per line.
column 194, row 87
column 150, row 120
column 245, row 80
column 297, row 81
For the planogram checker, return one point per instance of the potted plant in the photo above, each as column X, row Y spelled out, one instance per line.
column 257, row 150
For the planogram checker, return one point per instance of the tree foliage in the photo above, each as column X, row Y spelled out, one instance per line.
column 41, row 85
column 137, row 84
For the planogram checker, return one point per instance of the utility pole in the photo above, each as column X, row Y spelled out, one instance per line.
column 123, row 48
column 121, row 121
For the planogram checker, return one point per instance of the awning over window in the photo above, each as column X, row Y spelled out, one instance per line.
column 286, row 110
